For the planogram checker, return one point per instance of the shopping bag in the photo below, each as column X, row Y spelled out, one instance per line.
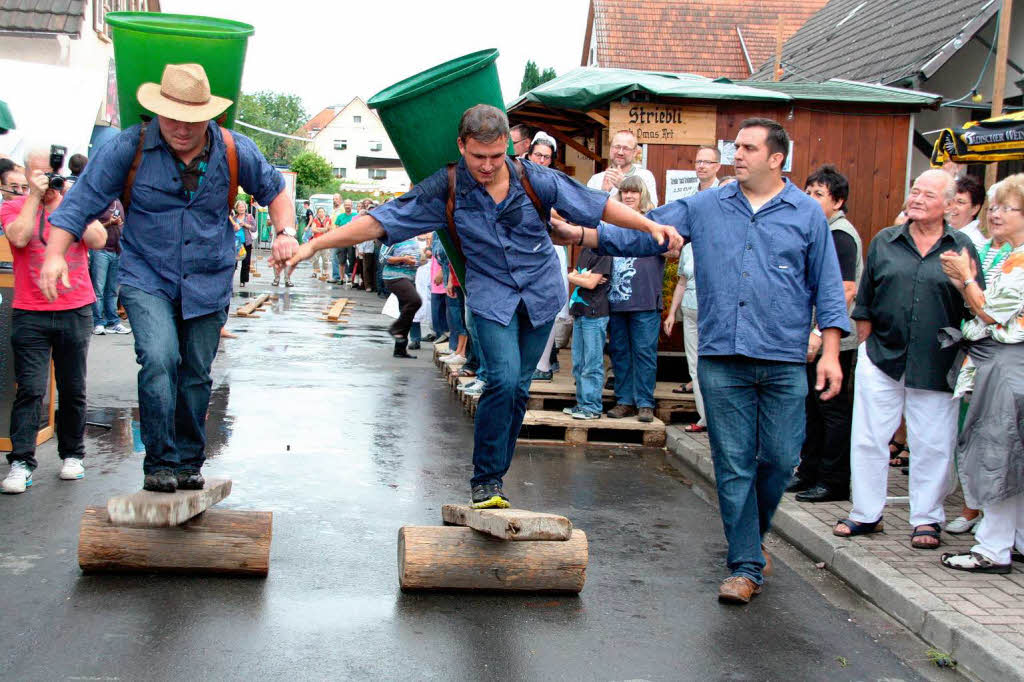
column 391, row 307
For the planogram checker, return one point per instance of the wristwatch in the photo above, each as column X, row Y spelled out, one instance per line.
column 290, row 231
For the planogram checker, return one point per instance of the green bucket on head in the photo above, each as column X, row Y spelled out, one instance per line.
column 145, row 42
column 421, row 113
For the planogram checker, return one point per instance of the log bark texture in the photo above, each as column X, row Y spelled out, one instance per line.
column 217, row 541
column 163, row 510
column 509, row 524
column 460, row 558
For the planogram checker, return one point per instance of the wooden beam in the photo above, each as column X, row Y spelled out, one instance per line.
column 565, row 139
column 249, row 308
column 999, row 79
column 778, row 50
column 164, row 510
column 597, row 116
column 509, row 524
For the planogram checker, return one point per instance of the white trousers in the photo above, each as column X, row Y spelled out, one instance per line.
column 878, row 404
column 690, row 346
column 1001, row 529
column 544, row 364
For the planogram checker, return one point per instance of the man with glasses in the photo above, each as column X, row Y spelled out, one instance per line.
column 520, row 140
column 707, row 164
column 620, row 157
column 13, row 183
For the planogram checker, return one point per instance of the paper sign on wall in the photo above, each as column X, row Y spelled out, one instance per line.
column 680, row 184
column 727, row 148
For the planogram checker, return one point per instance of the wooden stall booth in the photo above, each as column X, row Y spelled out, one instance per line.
column 7, row 385
column 864, row 130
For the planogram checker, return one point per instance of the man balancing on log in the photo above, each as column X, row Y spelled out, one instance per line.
column 513, row 282
column 766, row 258
column 177, row 178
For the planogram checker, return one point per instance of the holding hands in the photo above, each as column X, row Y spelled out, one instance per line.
column 958, row 266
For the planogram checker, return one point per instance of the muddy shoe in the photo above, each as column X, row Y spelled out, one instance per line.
column 737, row 590
column 190, row 479
column 645, row 415
column 489, row 496
column 160, row 481
column 620, row 411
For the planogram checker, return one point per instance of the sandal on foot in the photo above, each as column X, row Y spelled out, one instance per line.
column 680, row 389
column 927, row 530
column 895, row 458
column 695, row 428
column 858, row 528
column 974, row 563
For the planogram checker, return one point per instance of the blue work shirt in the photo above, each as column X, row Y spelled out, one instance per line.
column 509, row 255
column 758, row 274
column 173, row 246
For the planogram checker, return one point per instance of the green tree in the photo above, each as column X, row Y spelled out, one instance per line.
column 313, row 175
column 532, row 76
column 278, row 112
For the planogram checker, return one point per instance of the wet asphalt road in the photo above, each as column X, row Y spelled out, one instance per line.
column 317, row 423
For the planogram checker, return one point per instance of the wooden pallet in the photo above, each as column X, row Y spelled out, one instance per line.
column 558, row 427
column 253, row 306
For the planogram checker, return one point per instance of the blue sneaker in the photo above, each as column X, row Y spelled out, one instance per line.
column 18, row 478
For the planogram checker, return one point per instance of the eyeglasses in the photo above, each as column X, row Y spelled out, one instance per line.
column 15, row 189
column 542, row 157
column 622, row 148
column 996, row 208
column 701, row 162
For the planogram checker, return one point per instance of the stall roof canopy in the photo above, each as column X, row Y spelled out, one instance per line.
column 584, row 88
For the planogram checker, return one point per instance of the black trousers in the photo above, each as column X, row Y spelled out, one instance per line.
column 34, row 337
column 409, row 302
column 246, row 263
column 369, row 271
column 825, row 457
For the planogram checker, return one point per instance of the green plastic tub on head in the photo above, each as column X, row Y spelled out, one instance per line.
column 145, row 42
column 421, row 113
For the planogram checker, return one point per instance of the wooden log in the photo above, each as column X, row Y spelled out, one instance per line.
column 460, row 558
column 509, row 524
column 218, row 541
column 164, row 510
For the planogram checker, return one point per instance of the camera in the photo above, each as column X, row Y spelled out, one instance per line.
column 57, row 154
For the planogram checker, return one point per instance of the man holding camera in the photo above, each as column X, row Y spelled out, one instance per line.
column 177, row 254
column 41, row 327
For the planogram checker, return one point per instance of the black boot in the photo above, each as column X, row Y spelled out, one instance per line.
column 400, row 348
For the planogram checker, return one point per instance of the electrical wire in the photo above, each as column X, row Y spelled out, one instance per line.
column 984, row 67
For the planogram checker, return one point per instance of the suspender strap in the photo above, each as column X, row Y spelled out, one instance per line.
column 542, row 211
column 126, row 193
column 450, row 212
column 232, row 155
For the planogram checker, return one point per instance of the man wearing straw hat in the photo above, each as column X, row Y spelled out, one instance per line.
column 174, row 176
column 513, row 284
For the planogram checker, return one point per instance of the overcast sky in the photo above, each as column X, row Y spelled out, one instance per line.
column 329, row 52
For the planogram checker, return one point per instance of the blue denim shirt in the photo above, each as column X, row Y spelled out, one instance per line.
column 174, row 247
column 509, row 255
column 758, row 274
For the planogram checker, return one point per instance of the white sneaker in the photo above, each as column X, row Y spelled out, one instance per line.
column 961, row 524
column 72, row 469
column 477, row 388
column 118, row 328
column 469, row 384
column 454, row 359
column 99, row 330
column 18, row 478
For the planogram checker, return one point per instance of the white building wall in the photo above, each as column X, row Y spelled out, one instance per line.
column 358, row 126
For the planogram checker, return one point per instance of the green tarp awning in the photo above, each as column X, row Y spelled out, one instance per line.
column 6, row 120
column 994, row 139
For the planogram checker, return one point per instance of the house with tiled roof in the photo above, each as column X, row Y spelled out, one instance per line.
column 947, row 48
column 714, row 38
column 63, row 46
column 353, row 140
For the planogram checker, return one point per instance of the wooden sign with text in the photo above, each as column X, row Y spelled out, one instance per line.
column 664, row 123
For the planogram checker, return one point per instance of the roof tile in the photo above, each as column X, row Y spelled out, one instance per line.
column 42, row 16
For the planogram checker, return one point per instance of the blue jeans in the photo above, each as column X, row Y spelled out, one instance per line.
column 175, row 356
column 633, row 347
column 456, row 317
column 335, row 264
column 439, row 313
column 588, row 361
column 474, row 358
column 755, row 414
column 415, row 333
column 510, row 354
column 103, row 266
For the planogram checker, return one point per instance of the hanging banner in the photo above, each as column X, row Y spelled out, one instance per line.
column 664, row 123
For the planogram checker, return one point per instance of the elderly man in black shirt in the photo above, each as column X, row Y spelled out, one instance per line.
column 903, row 301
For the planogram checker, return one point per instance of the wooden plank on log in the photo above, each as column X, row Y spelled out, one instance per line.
column 460, row 558
column 163, row 510
column 217, row 541
column 509, row 524
column 250, row 307
column 336, row 309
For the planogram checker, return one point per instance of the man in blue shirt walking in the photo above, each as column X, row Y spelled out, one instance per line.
column 178, row 255
column 767, row 257
column 513, row 284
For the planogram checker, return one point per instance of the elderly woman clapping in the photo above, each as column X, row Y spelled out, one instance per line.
column 990, row 449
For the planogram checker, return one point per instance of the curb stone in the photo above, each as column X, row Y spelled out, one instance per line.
column 976, row 649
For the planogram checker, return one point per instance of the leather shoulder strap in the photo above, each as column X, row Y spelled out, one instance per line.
column 542, row 211
column 450, row 211
column 126, row 192
column 232, row 156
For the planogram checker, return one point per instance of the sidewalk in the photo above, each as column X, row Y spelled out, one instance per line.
column 976, row 618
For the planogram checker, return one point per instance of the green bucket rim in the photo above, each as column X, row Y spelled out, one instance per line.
column 415, row 85
column 203, row 27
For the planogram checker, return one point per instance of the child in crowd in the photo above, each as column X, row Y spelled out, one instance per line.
column 589, row 309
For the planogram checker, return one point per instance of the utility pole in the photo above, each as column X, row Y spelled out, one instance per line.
column 999, row 79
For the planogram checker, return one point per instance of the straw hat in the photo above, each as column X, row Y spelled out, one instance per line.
column 183, row 94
